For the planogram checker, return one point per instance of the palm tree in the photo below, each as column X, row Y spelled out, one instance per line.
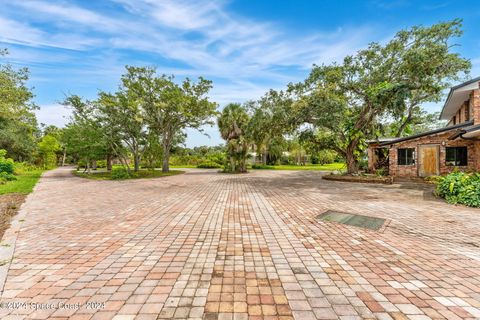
column 232, row 124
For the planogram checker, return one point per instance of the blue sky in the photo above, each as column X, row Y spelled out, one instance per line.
column 245, row 47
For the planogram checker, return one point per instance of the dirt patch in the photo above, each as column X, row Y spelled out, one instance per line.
column 363, row 179
column 9, row 206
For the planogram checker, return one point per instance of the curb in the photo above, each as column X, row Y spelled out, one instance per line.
column 9, row 240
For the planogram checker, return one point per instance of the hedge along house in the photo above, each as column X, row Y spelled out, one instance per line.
column 439, row 151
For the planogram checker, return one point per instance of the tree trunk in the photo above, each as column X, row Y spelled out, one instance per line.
column 232, row 163
column 136, row 162
column 109, row 162
column 64, row 156
column 264, row 156
column 352, row 162
column 166, row 158
column 94, row 164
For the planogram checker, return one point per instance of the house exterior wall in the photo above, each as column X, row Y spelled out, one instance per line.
column 473, row 149
column 475, row 105
column 469, row 110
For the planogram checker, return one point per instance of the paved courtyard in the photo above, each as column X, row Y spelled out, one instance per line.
column 218, row 246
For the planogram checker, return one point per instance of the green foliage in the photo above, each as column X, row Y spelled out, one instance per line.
column 233, row 123
column 363, row 164
column 4, row 177
column 307, row 167
column 85, row 137
column 188, row 160
column 197, row 158
column 324, row 157
column 119, row 173
column 26, row 179
column 381, row 172
column 391, row 80
column 270, row 120
column 6, row 168
column 460, row 187
column 168, row 107
column 433, row 179
column 140, row 174
column 47, row 148
column 209, row 165
column 6, row 164
column 18, row 124
column 101, row 163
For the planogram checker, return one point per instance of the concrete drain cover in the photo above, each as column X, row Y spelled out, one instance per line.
column 352, row 219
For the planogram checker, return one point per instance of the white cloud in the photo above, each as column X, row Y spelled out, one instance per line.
column 55, row 114
column 223, row 45
column 244, row 57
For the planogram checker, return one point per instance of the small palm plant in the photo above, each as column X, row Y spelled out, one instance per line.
column 232, row 124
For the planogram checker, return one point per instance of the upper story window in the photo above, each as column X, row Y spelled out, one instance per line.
column 406, row 156
column 456, row 156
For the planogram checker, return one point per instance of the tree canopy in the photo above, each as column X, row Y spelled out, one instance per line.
column 391, row 80
column 18, row 124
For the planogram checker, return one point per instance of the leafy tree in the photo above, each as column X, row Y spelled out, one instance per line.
column 19, row 137
column 169, row 107
column 84, row 136
column 348, row 99
column 232, row 123
column 271, row 119
column 122, row 113
column 47, row 149
column 422, row 122
column 18, row 125
column 427, row 122
column 59, row 135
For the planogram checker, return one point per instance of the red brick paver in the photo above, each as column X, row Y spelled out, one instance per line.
column 216, row 246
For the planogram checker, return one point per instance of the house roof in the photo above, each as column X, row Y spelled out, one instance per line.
column 423, row 134
column 470, row 132
column 380, row 140
column 457, row 96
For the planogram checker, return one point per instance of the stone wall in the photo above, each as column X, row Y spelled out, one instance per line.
column 475, row 105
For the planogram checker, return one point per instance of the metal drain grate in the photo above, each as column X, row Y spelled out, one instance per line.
column 352, row 219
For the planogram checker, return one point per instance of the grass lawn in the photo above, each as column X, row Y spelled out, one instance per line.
column 323, row 167
column 24, row 183
column 13, row 193
column 104, row 175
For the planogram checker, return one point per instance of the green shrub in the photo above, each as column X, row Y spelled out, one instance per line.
column 433, row 179
column 6, row 164
column 119, row 173
column 325, row 157
column 101, row 163
column 381, row 172
column 363, row 164
column 5, row 176
column 461, row 188
column 209, row 165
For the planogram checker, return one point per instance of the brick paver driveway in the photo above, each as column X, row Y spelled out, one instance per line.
column 209, row 245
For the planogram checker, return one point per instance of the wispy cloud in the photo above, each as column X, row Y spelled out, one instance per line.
column 53, row 114
column 199, row 34
column 81, row 47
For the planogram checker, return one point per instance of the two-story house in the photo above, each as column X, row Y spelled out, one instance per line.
column 439, row 151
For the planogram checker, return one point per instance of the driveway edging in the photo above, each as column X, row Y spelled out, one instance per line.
column 9, row 240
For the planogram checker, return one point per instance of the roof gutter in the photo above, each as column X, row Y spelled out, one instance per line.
column 420, row 135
